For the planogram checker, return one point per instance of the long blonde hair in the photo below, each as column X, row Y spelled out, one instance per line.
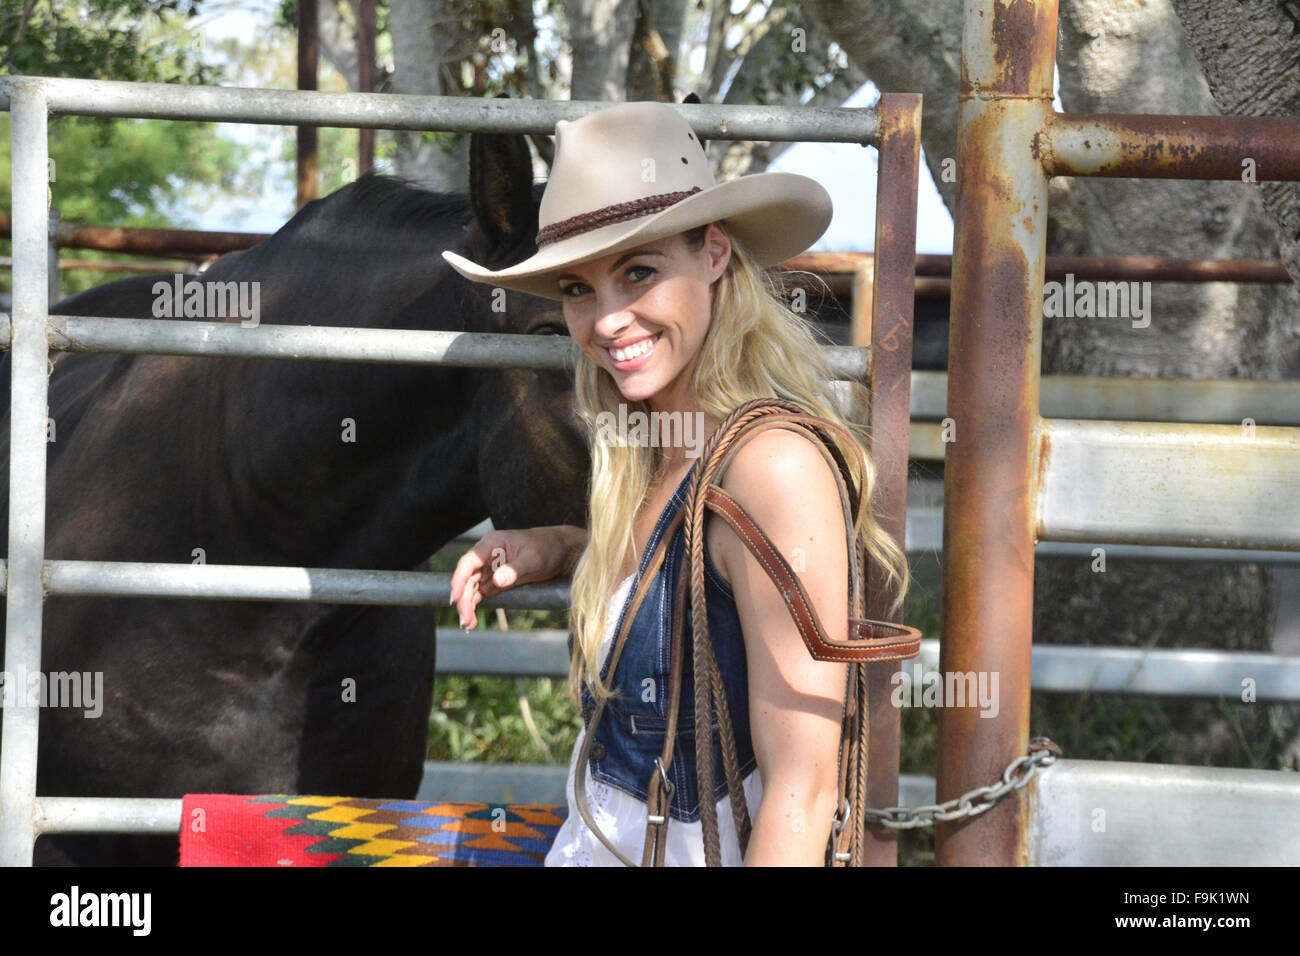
column 755, row 347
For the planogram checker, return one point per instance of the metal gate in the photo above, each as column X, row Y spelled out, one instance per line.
column 893, row 126
column 1013, row 478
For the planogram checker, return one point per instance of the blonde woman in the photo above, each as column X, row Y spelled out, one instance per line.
column 660, row 272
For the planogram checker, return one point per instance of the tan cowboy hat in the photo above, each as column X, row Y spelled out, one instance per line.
column 636, row 172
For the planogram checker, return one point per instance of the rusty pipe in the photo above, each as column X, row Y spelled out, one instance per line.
column 892, row 305
column 1150, row 268
column 174, row 243
column 1265, row 148
column 999, row 260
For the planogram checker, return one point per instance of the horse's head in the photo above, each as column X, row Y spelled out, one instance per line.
column 370, row 255
column 533, row 460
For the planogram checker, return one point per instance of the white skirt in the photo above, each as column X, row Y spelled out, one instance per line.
column 622, row 819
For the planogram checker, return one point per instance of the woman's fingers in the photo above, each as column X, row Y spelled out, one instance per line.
column 501, row 560
column 467, row 566
column 465, row 590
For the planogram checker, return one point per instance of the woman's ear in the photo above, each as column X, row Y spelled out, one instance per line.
column 718, row 244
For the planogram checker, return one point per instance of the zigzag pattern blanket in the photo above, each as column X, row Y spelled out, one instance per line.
column 282, row 830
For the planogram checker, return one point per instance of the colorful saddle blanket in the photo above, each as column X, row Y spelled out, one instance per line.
column 280, row 830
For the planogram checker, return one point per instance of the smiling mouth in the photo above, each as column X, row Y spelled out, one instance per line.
column 635, row 351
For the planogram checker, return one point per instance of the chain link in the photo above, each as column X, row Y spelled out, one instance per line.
column 1042, row 753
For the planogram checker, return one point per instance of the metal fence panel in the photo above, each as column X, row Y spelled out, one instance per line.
column 1102, row 813
column 1225, row 486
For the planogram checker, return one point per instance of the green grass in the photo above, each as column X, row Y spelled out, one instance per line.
column 483, row 718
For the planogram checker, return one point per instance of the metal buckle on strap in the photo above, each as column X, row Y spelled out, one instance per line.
column 841, row 817
column 655, row 818
column 838, row 822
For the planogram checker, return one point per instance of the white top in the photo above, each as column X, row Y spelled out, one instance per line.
column 622, row 817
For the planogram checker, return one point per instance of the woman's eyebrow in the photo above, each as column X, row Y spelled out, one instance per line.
column 621, row 259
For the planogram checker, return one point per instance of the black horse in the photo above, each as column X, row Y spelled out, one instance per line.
column 155, row 457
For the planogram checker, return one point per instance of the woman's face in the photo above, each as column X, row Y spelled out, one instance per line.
column 655, row 298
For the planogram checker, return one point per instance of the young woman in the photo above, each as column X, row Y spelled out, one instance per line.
column 663, row 289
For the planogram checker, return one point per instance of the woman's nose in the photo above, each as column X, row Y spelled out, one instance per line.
column 612, row 319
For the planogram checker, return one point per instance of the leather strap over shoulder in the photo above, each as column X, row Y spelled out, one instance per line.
column 868, row 640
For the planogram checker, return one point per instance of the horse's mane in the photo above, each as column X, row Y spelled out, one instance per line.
column 382, row 203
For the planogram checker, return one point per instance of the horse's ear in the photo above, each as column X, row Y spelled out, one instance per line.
column 501, row 186
column 693, row 97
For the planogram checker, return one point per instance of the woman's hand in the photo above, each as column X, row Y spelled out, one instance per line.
column 520, row 556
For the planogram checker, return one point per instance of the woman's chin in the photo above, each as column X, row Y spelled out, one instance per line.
column 635, row 391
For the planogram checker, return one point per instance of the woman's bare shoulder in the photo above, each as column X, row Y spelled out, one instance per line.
column 778, row 454
column 786, row 486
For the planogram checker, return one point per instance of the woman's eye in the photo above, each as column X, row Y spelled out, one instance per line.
column 575, row 289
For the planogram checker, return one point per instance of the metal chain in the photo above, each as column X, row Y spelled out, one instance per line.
column 1042, row 753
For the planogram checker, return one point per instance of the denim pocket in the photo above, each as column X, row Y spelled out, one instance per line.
column 651, row 726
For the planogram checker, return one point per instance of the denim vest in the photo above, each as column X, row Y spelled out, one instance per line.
column 632, row 727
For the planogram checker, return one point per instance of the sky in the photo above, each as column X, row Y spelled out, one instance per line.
column 848, row 172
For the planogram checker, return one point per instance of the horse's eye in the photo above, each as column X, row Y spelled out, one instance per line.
column 550, row 328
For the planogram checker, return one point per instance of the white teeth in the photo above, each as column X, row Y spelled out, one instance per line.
column 622, row 355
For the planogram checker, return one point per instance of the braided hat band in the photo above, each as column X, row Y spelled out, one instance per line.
column 605, row 215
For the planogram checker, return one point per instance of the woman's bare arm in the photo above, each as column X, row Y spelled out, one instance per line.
column 795, row 702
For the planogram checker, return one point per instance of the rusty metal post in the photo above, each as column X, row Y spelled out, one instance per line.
column 308, row 58
column 999, row 256
column 366, row 79
column 892, row 303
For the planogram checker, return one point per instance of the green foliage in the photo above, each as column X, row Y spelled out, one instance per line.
column 122, row 172
column 97, row 39
column 128, row 172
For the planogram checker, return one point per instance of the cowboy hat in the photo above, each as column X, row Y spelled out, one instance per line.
column 636, row 172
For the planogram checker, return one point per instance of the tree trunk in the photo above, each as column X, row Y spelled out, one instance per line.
column 652, row 69
column 600, row 35
column 907, row 46
column 1250, row 52
column 338, row 38
column 1126, row 56
column 425, row 35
